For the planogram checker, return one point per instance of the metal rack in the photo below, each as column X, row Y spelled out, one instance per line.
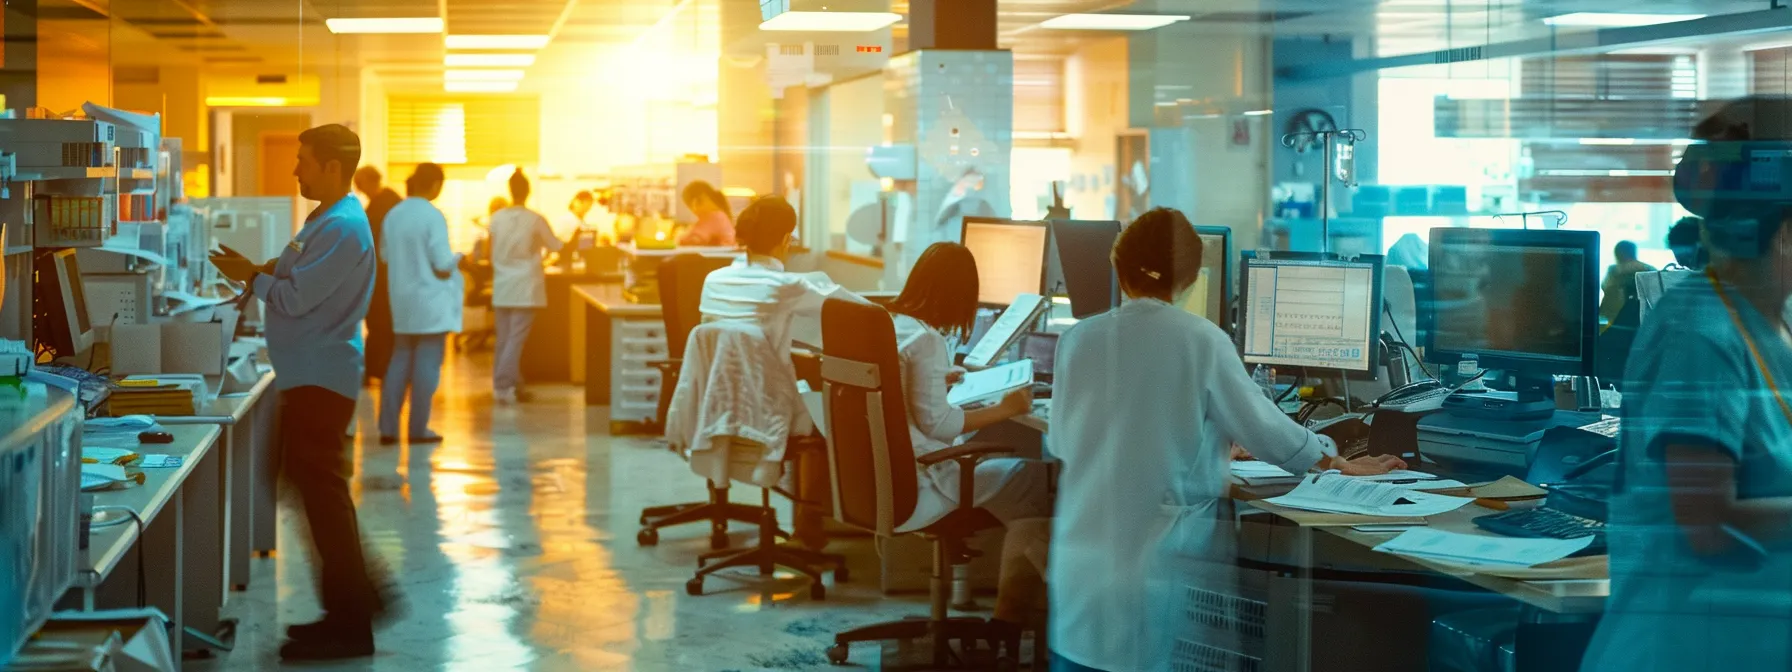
column 1329, row 139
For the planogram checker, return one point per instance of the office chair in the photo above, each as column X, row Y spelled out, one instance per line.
column 730, row 348
column 876, row 483
column 681, row 292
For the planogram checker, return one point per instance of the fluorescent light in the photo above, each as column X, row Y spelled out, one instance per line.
column 1613, row 20
column 479, row 87
column 489, row 60
column 420, row 24
column 1259, row 113
column 258, row 101
column 1112, row 21
column 830, row 22
column 497, row 41
column 483, row 75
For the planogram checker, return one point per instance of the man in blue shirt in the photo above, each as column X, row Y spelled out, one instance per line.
column 317, row 293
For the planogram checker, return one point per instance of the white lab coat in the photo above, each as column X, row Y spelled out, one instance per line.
column 414, row 244
column 519, row 238
column 785, row 304
column 735, row 406
column 1148, row 399
column 934, row 424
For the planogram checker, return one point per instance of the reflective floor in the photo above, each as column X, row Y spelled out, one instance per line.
column 514, row 544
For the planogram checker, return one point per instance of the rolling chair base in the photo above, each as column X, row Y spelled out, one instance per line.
column 963, row 629
column 769, row 554
column 718, row 511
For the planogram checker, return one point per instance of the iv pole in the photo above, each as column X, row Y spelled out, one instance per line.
column 1326, row 138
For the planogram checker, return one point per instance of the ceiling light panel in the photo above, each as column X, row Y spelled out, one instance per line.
column 483, row 75
column 479, row 87
column 1112, row 21
column 489, row 60
column 830, row 22
column 1617, row 20
column 388, row 26
column 496, row 41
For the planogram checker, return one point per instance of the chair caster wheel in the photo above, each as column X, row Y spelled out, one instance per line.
column 817, row 591
column 841, row 575
column 718, row 541
column 648, row 537
column 693, row 587
column 837, row 654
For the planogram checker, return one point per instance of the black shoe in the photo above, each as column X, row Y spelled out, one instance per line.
column 425, row 440
column 336, row 647
column 388, row 440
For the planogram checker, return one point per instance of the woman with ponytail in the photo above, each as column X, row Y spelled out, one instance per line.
column 715, row 220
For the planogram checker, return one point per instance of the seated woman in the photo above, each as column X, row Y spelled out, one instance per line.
column 940, row 301
column 1148, row 401
column 715, row 223
column 757, row 288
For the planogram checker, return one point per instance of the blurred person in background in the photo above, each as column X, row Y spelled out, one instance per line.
column 380, row 201
column 1620, row 280
column 426, row 305
column 715, row 218
column 520, row 238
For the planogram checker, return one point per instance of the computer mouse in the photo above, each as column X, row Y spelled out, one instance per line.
column 155, row 437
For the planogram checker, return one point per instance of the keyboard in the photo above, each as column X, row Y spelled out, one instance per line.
column 1543, row 522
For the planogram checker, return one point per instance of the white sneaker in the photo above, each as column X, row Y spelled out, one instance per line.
column 505, row 397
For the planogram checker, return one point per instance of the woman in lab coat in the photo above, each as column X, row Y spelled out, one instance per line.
column 786, row 305
column 1148, row 401
column 938, row 304
column 520, row 237
column 426, row 304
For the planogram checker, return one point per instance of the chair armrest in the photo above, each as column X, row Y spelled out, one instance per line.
column 973, row 451
column 808, row 367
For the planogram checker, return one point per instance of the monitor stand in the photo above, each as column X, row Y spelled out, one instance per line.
column 1532, row 399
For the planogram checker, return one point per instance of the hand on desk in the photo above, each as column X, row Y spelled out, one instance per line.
column 1366, row 466
column 955, row 376
column 1239, row 454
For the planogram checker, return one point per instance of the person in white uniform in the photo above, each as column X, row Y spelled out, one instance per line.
column 939, row 304
column 1701, row 516
column 520, row 238
column 425, row 295
column 1148, row 400
column 757, row 288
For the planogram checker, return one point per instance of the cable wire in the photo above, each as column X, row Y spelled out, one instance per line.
column 1395, row 322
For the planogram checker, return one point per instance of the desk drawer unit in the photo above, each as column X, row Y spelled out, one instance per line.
column 634, row 383
column 40, row 489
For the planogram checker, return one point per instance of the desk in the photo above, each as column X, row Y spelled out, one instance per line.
column 172, row 504
column 612, row 343
column 547, row 356
column 247, row 507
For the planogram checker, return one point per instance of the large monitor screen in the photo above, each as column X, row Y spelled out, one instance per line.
column 1310, row 312
column 1510, row 300
column 1084, row 264
column 1010, row 258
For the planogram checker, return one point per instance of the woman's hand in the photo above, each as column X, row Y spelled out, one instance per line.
column 1367, row 466
column 955, row 376
column 1018, row 402
column 1239, row 454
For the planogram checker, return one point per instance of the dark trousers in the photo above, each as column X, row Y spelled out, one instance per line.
column 314, row 463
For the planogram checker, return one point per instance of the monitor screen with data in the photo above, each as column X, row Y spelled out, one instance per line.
column 1312, row 312
column 1010, row 258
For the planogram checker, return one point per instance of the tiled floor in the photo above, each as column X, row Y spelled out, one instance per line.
column 514, row 544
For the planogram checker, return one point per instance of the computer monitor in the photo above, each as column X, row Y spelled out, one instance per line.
column 1010, row 257
column 1307, row 310
column 1082, row 265
column 60, row 314
column 1521, row 301
column 1212, row 294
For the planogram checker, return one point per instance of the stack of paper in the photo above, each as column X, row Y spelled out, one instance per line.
column 1474, row 549
column 990, row 384
column 1255, row 473
column 1331, row 492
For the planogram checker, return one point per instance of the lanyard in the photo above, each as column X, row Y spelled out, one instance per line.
column 1753, row 350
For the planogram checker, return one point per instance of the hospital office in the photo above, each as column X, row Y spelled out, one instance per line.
column 903, row 335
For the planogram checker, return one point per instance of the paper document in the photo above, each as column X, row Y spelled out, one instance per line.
column 1331, row 492
column 979, row 385
column 1474, row 549
column 155, row 461
column 1019, row 314
column 1254, row 472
